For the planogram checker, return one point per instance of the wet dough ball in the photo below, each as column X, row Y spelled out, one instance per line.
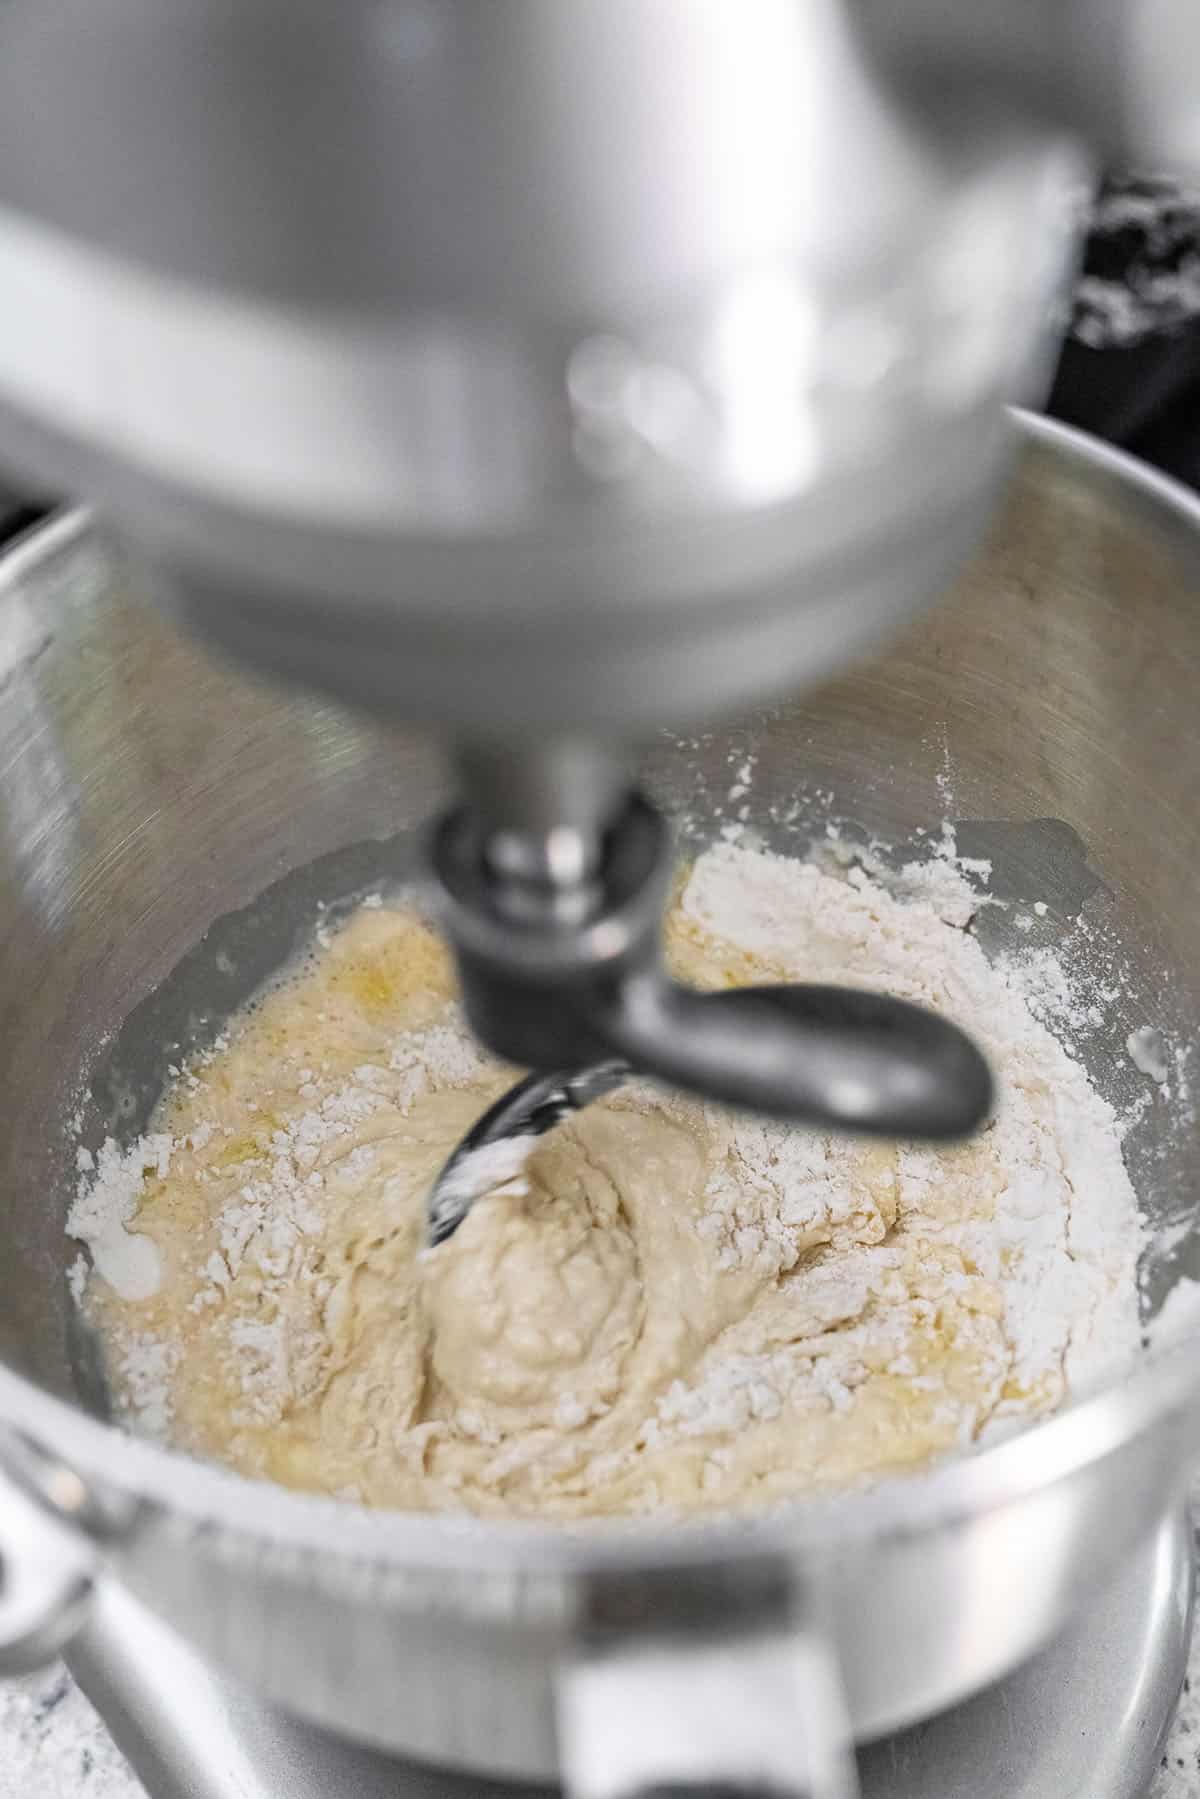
column 535, row 1304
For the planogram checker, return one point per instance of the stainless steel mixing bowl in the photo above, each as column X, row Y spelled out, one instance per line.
column 148, row 797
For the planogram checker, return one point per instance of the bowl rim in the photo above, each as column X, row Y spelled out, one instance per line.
column 203, row 1496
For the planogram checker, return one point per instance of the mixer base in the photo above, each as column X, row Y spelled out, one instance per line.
column 1084, row 1720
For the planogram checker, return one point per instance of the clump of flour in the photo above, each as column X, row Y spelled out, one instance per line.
column 110, row 1191
column 1064, row 1239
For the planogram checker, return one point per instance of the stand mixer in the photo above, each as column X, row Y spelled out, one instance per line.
column 546, row 375
column 552, row 375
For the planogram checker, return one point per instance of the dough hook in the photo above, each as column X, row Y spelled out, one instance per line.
column 854, row 1061
column 560, row 963
column 498, row 1145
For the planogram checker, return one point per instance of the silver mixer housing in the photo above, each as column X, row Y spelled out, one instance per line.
column 526, row 368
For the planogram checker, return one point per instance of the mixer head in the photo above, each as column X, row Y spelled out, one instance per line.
column 526, row 370
column 546, row 374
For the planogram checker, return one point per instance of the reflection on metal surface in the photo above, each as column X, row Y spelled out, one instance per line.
column 1083, row 1720
column 47, row 1572
column 39, row 796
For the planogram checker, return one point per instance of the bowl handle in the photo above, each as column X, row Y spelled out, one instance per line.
column 703, row 1683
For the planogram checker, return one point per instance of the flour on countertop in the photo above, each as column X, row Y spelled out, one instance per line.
column 1179, row 1315
column 1148, row 1053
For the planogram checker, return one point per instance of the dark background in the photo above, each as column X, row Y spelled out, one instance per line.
column 1130, row 366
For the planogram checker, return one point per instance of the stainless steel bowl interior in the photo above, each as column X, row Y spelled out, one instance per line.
column 169, row 830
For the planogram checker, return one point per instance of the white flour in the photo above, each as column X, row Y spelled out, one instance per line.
column 445, row 1055
column 1040, row 1221
column 1064, row 1242
column 1147, row 1052
column 110, row 1190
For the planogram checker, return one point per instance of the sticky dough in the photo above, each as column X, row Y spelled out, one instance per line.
column 676, row 1309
